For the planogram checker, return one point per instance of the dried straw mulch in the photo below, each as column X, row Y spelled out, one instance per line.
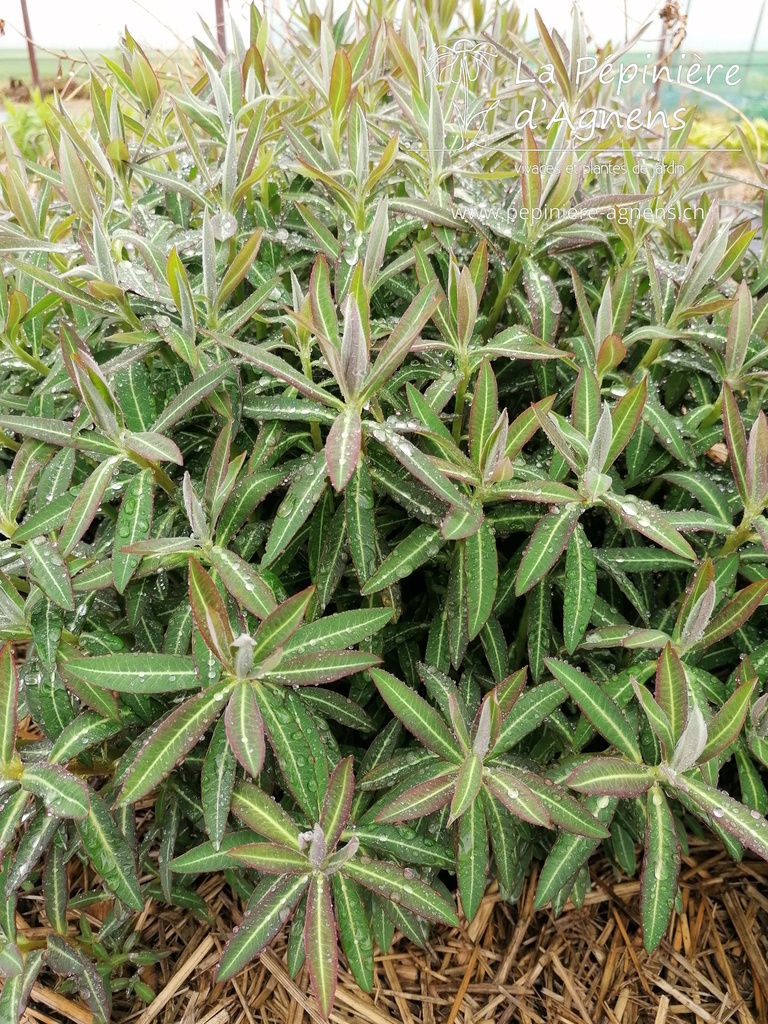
column 511, row 965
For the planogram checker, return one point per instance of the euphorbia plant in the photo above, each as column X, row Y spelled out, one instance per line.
column 366, row 528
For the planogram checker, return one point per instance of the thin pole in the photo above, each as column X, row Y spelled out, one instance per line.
column 221, row 34
column 30, row 45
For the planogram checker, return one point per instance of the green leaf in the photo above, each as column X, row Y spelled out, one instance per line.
column 430, row 788
column 342, row 447
column 109, row 852
column 624, row 418
column 354, row 930
column 337, row 802
column 340, row 630
column 645, row 518
column 735, row 613
column 547, row 543
column 245, row 728
column 85, row 506
column 529, row 712
column 661, row 865
column 395, row 884
column 50, row 572
column 397, row 345
column 249, row 589
column 320, row 942
column 419, row 546
column 291, row 745
column 570, row 852
column 416, row 715
column 725, row 727
column 484, row 412
column 749, row 827
column 296, row 507
column 281, row 624
column 468, row 784
column 579, row 590
column 134, row 522
column 205, row 858
column 264, row 815
column 736, row 440
column 472, row 858
column 482, row 573
column 358, row 504
column 135, row 673
column 191, row 396
column 217, row 781
column 167, row 744
column 9, row 702
column 69, row 962
column 270, row 859
column 261, row 923
column 672, row 690
column 64, row 794
column 611, row 776
column 602, row 711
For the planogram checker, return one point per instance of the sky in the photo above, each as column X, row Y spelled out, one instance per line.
column 67, row 25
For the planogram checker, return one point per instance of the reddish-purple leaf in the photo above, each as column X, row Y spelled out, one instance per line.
column 209, row 613
column 342, row 447
column 735, row 613
column 424, row 798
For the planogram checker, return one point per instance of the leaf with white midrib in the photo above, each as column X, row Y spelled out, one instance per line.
column 50, row 572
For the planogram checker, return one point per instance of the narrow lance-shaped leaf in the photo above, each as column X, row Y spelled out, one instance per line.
column 661, row 865
column 611, row 776
column 672, row 690
column 481, row 567
column 245, row 728
column 725, row 727
column 293, row 512
column 394, row 884
column 50, row 572
column 261, row 923
column 174, row 738
column 209, row 612
column 416, row 715
column 547, row 543
column 110, row 853
column 736, row 440
column 320, row 942
column 9, row 701
column 342, row 447
column 264, row 815
column 135, row 673
column 601, row 710
column 217, row 781
column 134, row 521
column 579, row 590
column 85, row 506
